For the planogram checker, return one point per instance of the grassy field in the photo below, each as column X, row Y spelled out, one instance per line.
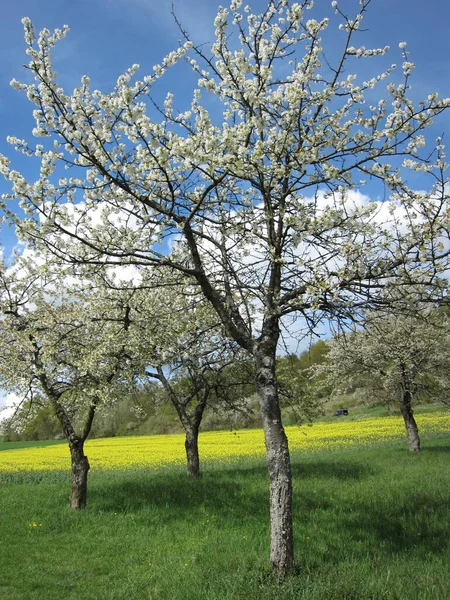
column 31, row 444
column 371, row 523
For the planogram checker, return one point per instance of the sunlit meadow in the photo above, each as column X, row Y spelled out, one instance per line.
column 371, row 520
column 160, row 450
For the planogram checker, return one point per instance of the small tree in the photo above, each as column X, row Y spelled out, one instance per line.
column 396, row 360
column 192, row 382
column 52, row 346
column 264, row 196
column 175, row 338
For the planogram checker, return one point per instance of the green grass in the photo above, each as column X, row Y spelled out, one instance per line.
column 360, row 411
column 30, row 444
column 371, row 524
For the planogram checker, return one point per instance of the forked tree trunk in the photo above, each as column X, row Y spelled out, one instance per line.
column 80, row 463
column 192, row 455
column 412, row 431
column 191, row 423
column 278, row 459
column 80, row 468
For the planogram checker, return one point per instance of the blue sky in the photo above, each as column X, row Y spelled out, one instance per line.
column 107, row 36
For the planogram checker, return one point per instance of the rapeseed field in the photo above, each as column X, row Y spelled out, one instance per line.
column 160, row 450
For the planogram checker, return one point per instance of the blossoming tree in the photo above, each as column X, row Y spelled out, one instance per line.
column 194, row 379
column 53, row 347
column 394, row 360
column 175, row 337
column 265, row 194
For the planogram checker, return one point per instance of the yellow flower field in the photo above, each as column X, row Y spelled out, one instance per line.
column 159, row 450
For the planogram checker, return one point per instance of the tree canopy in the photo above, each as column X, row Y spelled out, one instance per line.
column 254, row 190
column 57, row 346
column 395, row 359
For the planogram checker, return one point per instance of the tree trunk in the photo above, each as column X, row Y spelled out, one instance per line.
column 412, row 431
column 191, row 445
column 80, row 468
column 278, row 459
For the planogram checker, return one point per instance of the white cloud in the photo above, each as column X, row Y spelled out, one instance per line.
column 8, row 404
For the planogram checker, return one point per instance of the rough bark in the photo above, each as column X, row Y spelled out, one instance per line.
column 278, row 459
column 80, row 468
column 80, row 463
column 192, row 455
column 412, row 431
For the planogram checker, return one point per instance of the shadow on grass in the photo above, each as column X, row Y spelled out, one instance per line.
column 414, row 524
column 174, row 498
column 349, row 522
column 231, row 493
column 435, row 450
column 332, row 469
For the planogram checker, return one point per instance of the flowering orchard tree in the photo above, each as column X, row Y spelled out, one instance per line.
column 193, row 379
column 53, row 347
column 394, row 360
column 265, row 194
column 175, row 337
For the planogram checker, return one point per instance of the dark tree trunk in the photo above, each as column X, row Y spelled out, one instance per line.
column 193, row 459
column 278, row 459
column 412, row 431
column 80, row 468
column 191, row 422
